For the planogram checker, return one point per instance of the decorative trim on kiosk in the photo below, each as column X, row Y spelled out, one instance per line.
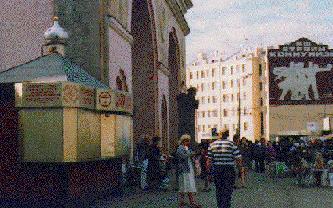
column 110, row 100
column 72, row 95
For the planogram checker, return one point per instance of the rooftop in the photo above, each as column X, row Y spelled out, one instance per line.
column 52, row 67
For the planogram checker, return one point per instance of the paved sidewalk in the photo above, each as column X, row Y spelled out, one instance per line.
column 261, row 192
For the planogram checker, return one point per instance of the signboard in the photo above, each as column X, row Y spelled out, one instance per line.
column 41, row 94
column 67, row 94
column 300, row 73
column 312, row 127
column 87, row 97
column 55, row 95
column 110, row 100
column 123, row 102
column 326, row 124
column 76, row 95
column 105, row 100
column 71, row 95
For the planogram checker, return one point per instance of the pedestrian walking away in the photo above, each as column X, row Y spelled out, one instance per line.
column 223, row 155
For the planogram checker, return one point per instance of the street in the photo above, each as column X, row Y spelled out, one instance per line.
column 260, row 192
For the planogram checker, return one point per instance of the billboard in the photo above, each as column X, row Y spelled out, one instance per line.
column 300, row 73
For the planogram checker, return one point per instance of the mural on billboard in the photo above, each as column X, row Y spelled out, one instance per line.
column 301, row 73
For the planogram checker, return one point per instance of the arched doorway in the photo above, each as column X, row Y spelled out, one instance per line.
column 174, row 67
column 165, row 138
column 143, row 60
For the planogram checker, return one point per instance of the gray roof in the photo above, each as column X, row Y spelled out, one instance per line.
column 50, row 67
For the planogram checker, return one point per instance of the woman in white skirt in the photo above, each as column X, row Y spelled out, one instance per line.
column 186, row 176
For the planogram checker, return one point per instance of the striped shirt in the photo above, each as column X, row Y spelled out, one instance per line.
column 223, row 152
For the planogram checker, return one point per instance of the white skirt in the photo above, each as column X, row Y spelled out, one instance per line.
column 187, row 181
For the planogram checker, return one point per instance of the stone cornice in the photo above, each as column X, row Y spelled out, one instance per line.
column 179, row 15
column 119, row 29
column 188, row 3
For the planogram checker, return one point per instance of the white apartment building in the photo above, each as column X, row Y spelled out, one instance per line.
column 231, row 93
column 204, row 75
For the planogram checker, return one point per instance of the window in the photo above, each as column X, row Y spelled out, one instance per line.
column 202, row 74
column 245, row 126
column 225, row 112
column 245, row 111
column 244, row 96
column 202, row 87
column 203, row 100
column 198, row 87
column 203, row 128
column 208, row 115
column 223, row 70
column 261, row 102
column 214, row 99
column 231, row 83
column 234, row 126
column 215, row 126
column 243, row 67
column 199, row 128
column 206, row 73
column 223, row 85
column 191, row 75
column 262, row 123
column 231, row 70
column 237, row 68
column 232, row 97
column 197, row 74
column 260, row 70
column 213, row 72
column 224, row 97
column 203, row 114
column 208, row 99
column 213, row 86
column 214, row 113
column 209, row 126
column 226, row 126
column 260, row 86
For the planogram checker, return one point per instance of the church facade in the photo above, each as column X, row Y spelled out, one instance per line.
column 134, row 46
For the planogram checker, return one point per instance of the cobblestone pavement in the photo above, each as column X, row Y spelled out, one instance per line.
column 261, row 192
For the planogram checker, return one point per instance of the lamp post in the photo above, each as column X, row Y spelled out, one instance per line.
column 239, row 103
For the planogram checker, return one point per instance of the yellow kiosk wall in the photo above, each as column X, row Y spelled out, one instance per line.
column 42, row 132
column 89, row 135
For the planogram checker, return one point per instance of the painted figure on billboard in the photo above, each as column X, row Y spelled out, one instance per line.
column 298, row 80
column 300, row 73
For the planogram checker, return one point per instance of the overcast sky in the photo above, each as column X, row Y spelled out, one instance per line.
column 226, row 24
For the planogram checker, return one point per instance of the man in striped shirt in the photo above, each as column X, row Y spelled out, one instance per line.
column 223, row 156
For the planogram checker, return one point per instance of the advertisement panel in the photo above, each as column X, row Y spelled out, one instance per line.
column 300, row 73
column 41, row 95
column 110, row 100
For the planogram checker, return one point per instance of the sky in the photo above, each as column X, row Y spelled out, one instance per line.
column 230, row 25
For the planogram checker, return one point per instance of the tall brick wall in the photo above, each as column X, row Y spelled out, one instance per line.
column 81, row 21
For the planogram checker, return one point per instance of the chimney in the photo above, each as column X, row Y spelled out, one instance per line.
column 55, row 39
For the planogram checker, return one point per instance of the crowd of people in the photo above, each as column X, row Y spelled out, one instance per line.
column 223, row 162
